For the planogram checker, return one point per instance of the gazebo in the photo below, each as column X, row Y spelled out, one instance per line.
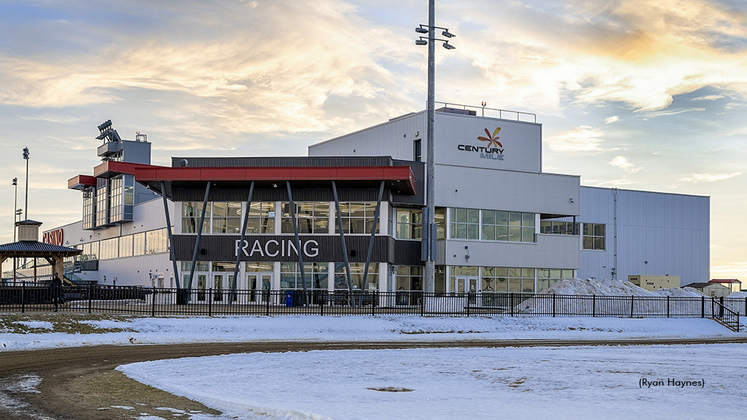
column 28, row 246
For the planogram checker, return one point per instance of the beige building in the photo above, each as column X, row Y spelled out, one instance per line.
column 734, row 285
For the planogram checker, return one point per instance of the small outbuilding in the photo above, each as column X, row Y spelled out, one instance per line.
column 710, row 289
column 734, row 285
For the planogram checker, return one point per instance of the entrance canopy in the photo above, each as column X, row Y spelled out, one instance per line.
column 54, row 254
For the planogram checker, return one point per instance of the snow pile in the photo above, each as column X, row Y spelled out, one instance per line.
column 737, row 295
column 612, row 297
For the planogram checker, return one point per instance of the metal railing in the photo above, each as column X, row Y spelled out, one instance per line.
column 505, row 114
column 213, row 302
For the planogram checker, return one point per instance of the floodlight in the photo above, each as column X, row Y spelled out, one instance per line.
column 26, row 153
column 421, row 30
column 449, row 46
column 447, row 34
column 421, row 42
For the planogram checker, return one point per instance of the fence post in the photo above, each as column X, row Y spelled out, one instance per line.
column 210, row 301
column 373, row 303
column 422, row 304
column 667, row 306
column 90, row 297
column 702, row 306
column 593, row 306
column 23, row 297
column 511, row 302
column 632, row 299
column 153, row 303
column 267, row 301
column 321, row 304
column 553, row 305
column 721, row 307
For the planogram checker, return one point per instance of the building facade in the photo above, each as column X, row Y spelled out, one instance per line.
column 356, row 204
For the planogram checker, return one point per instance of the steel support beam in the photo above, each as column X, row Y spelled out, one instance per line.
column 241, row 243
column 199, row 237
column 171, row 236
column 371, row 244
column 298, row 242
column 342, row 241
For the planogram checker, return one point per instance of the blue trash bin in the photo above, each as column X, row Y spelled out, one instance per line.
column 289, row 298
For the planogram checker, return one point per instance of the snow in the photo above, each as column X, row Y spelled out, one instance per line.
column 601, row 382
column 136, row 331
column 482, row 383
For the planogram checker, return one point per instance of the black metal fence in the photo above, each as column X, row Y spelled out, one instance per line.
column 217, row 302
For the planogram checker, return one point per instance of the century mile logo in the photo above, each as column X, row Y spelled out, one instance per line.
column 492, row 150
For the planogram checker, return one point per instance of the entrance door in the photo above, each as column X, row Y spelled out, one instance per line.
column 471, row 286
column 222, row 284
column 259, row 286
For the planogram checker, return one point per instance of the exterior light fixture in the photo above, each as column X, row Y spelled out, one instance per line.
column 421, row 30
column 449, row 46
column 421, row 42
column 447, row 34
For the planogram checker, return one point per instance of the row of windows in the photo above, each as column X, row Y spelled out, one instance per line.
column 312, row 217
column 464, row 279
column 593, row 234
column 143, row 243
column 491, row 225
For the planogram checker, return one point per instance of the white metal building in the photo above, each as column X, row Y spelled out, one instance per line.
column 504, row 224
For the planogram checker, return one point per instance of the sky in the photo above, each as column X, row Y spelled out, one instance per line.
column 636, row 94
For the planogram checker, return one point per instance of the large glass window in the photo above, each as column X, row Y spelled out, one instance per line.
column 156, row 241
column 409, row 277
column 465, row 223
column 261, row 218
column 593, row 237
column 226, row 217
column 138, row 242
column 356, row 276
column 547, row 277
column 316, row 276
column 358, row 217
column 191, row 211
column 109, row 249
column 102, row 201
column 89, row 208
column 409, row 224
column 125, row 246
column 312, row 217
column 115, row 201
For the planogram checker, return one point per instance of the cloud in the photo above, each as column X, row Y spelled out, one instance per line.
column 612, row 119
column 622, row 163
column 656, row 114
column 708, row 98
column 584, row 139
column 707, row 177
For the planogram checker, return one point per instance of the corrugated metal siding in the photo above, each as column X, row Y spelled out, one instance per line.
column 658, row 234
column 292, row 161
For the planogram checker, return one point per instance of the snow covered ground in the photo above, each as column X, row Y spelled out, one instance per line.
column 662, row 382
column 606, row 382
column 28, row 334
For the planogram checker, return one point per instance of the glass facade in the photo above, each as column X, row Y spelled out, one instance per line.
column 491, row 225
column 593, row 236
column 409, row 223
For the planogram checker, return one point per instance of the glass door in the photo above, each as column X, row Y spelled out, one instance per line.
column 259, row 286
column 471, row 286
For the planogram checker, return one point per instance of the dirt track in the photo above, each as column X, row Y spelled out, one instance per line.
column 81, row 383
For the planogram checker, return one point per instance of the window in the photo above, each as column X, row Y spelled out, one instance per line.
column 89, row 208
column 138, row 241
column 547, row 277
column 102, row 201
column 226, row 217
column 593, row 236
column 417, row 150
column 312, row 217
column 465, row 223
column 558, row 228
column 507, row 279
column 439, row 218
column 115, row 201
column 316, row 276
column 409, row 224
column 125, row 246
column 261, row 218
column 156, row 241
column 358, row 217
column 356, row 276
column 409, row 277
column 191, row 211
column 109, row 249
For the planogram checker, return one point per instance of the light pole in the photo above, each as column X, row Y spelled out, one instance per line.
column 26, row 157
column 430, row 232
column 15, row 206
